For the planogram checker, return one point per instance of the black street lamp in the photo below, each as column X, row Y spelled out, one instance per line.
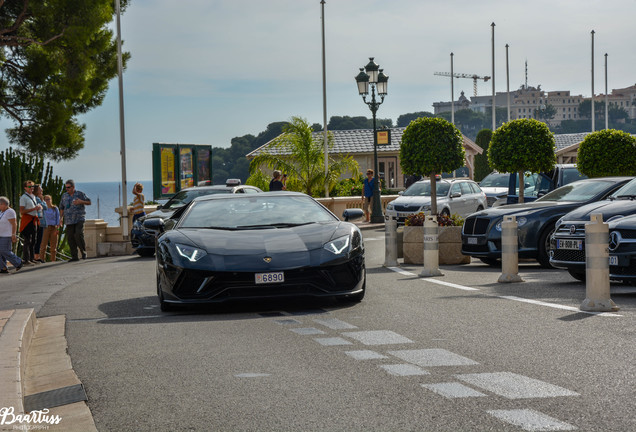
column 372, row 74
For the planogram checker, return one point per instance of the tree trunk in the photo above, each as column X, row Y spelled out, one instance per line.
column 522, row 184
column 433, row 194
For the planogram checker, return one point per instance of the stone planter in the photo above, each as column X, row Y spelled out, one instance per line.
column 450, row 246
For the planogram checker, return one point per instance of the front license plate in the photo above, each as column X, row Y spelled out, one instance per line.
column 569, row 244
column 274, row 277
column 613, row 260
column 471, row 240
column 403, row 215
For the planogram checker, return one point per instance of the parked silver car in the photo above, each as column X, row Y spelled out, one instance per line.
column 454, row 196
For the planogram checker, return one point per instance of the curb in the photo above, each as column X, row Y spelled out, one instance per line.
column 18, row 328
column 36, row 368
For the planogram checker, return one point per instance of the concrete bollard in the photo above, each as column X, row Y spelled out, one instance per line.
column 431, row 248
column 390, row 243
column 597, row 284
column 509, row 251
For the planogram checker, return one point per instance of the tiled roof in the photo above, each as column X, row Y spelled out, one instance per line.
column 567, row 140
column 361, row 141
column 354, row 141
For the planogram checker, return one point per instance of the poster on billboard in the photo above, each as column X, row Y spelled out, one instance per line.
column 179, row 166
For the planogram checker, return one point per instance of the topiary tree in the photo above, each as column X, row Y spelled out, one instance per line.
column 482, row 167
column 522, row 145
column 431, row 146
column 607, row 153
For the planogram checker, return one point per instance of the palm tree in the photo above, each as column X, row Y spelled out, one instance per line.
column 298, row 152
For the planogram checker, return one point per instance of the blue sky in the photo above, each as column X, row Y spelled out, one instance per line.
column 204, row 71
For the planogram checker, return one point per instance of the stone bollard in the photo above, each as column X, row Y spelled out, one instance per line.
column 391, row 243
column 431, row 248
column 597, row 284
column 509, row 251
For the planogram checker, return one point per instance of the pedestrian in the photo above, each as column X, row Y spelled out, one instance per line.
column 28, row 221
column 39, row 197
column 367, row 194
column 138, row 202
column 73, row 212
column 53, row 222
column 276, row 184
column 8, row 236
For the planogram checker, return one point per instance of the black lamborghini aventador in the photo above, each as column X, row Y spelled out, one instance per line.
column 275, row 244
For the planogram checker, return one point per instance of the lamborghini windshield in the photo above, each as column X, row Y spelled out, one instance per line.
column 255, row 211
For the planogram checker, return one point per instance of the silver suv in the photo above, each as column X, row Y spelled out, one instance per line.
column 454, row 196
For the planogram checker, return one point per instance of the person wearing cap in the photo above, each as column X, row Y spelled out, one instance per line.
column 29, row 221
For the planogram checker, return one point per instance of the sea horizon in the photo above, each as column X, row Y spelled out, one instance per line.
column 105, row 197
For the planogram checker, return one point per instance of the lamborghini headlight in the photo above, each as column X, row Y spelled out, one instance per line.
column 192, row 253
column 339, row 246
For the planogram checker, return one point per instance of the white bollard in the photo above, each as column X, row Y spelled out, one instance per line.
column 430, row 254
column 597, row 284
column 509, row 251
column 390, row 243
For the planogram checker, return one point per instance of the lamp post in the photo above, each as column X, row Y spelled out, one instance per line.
column 372, row 74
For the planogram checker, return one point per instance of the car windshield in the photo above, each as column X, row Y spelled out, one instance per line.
column 255, row 211
column 184, row 197
column 424, row 189
column 577, row 192
column 495, row 180
column 571, row 175
column 627, row 191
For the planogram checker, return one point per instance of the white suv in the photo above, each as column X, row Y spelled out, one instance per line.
column 454, row 196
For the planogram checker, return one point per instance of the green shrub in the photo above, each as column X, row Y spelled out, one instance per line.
column 418, row 219
column 607, row 153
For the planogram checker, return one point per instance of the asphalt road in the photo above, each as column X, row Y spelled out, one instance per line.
column 459, row 352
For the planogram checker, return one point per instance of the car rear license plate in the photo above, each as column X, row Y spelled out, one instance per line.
column 569, row 244
column 613, row 260
column 273, row 277
column 471, row 240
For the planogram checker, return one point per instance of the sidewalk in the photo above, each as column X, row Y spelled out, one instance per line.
column 37, row 377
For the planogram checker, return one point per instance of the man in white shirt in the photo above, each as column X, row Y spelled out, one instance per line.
column 8, row 236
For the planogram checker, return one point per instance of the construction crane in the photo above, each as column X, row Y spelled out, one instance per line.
column 474, row 77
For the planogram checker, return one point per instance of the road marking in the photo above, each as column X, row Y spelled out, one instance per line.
column 557, row 306
column 402, row 272
column 334, row 323
column 452, row 285
column 404, row 370
column 287, row 321
column 378, row 337
column 365, row 355
column 252, row 375
column 433, row 357
column 531, row 420
column 307, row 331
column 452, row 390
column 520, row 299
column 514, row 386
column 332, row 341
